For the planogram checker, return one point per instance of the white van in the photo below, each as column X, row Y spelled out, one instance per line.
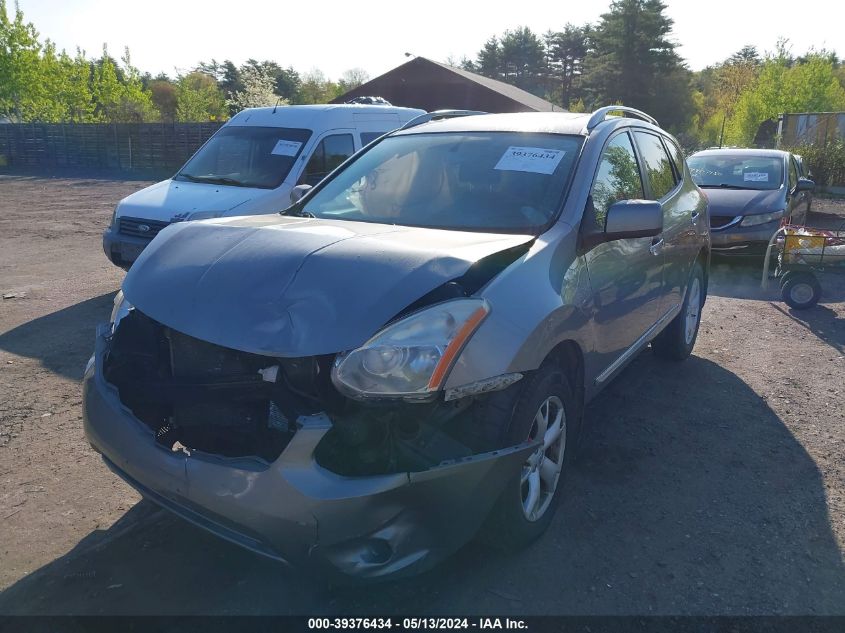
column 249, row 167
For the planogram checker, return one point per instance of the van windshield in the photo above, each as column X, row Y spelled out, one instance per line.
column 246, row 156
column 505, row 182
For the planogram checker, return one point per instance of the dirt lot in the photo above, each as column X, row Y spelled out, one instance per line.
column 714, row 487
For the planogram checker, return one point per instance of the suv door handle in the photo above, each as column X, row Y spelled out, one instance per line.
column 656, row 246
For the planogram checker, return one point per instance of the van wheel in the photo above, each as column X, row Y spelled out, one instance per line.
column 546, row 411
column 676, row 341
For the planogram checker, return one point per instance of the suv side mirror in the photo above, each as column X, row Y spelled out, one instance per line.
column 805, row 184
column 297, row 193
column 633, row 218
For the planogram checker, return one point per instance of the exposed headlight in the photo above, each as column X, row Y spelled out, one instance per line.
column 413, row 356
column 762, row 218
column 121, row 308
column 114, row 215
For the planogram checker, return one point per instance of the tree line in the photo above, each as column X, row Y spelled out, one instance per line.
column 39, row 83
column 627, row 57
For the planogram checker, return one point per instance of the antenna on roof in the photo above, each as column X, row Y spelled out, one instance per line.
column 278, row 101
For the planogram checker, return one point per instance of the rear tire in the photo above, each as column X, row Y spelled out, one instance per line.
column 525, row 509
column 676, row 341
column 801, row 290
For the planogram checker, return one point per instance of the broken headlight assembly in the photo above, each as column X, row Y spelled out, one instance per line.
column 121, row 309
column 411, row 357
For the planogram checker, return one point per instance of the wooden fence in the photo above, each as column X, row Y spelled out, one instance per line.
column 124, row 146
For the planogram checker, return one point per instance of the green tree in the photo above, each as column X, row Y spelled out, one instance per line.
column 633, row 61
column 198, row 98
column 488, row 62
column 315, row 88
column 164, row 97
column 785, row 85
column 565, row 53
column 258, row 89
column 20, row 67
column 352, row 78
column 118, row 93
column 523, row 59
column 518, row 57
column 718, row 91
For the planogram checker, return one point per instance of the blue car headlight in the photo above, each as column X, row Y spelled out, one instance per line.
column 761, row 218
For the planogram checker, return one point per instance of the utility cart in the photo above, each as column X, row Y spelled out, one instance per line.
column 804, row 255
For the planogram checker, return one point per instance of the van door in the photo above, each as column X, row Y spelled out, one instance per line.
column 626, row 276
column 330, row 150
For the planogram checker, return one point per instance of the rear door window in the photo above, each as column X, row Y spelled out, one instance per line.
column 329, row 153
column 618, row 177
column 658, row 167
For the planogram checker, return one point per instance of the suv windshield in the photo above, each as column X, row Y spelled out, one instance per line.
column 733, row 171
column 481, row 181
column 243, row 156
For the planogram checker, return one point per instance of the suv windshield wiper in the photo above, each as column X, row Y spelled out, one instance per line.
column 214, row 180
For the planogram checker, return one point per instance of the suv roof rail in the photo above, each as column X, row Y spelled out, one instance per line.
column 601, row 114
column 439, row 114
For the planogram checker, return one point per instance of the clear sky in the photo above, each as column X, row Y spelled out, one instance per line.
column 332, row 35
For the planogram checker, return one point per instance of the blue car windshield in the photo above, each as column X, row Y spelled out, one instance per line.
column 478, row 181
column 736, row 171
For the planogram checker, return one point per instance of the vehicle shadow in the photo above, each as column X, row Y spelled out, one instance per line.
column 63, row 340
column 690, row 496
column 821, row 321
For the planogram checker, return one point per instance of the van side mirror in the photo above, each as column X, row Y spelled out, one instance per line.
column 805, row 184
column 297, row 193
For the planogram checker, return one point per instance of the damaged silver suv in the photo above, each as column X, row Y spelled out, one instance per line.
column 402, row 357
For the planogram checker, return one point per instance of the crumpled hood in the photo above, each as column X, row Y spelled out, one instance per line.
column 734, row 202
column 286, row 286
column 171, row 199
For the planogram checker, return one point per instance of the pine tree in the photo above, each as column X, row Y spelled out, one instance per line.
column 633, row 62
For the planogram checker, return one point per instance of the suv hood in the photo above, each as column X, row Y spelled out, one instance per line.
column 734, row 202
column 172, row 200
column 286, row 286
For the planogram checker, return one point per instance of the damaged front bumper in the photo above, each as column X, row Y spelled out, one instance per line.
column 293, row 509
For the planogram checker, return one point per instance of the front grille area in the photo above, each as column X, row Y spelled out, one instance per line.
column 721, row 221
column 140, row 227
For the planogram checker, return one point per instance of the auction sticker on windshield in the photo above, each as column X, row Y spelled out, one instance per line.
column 755, row 176
column 532, row 159
column 286, row 148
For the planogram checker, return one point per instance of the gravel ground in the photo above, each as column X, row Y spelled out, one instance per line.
column 712, row 487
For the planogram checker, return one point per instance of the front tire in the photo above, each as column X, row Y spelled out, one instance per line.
column 676, row 341
column 546, row 410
